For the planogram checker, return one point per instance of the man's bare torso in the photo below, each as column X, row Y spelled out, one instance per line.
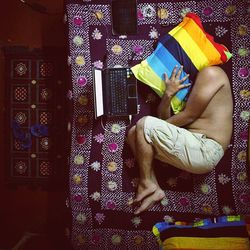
column 216, row 121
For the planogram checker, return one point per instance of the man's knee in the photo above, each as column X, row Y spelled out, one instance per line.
column 140, row 124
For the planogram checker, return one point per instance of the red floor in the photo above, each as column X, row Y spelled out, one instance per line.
column 22, row 209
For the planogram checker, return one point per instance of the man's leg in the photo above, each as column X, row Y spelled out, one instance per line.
column 149, row 190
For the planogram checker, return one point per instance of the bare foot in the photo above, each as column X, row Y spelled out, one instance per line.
column 145, row 188
column 149, row 201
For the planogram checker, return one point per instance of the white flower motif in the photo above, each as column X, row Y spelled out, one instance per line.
column 184, row 11
column 78, row 41
column 164, row 201
column 205, row 188
column 97, row 35
column 245, row 115
column 81, row 218
column 168, row 218
column 96, row 166
column 123, row 37
column 116, row 128
column 223, row 179
column 227, row 210
column 220, row 31
column 153, row 34
column 99, row 138
column 112, row 185
column 148, row 11
column 95, row 196
column 136, row 221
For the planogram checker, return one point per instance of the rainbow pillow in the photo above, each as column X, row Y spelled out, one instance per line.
column 187, row 44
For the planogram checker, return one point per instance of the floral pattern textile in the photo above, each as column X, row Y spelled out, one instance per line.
column 108, row 176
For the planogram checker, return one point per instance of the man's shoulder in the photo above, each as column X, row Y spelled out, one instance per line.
column 214, row 74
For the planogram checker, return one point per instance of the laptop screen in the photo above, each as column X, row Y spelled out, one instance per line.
column 98, row 93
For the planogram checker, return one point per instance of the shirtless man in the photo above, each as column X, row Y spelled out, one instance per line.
column 193, row 140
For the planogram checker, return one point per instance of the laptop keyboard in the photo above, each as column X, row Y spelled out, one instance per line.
column 118, row 83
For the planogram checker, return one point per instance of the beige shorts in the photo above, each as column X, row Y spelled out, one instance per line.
column 192, row 152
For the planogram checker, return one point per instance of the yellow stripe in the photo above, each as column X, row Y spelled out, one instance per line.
column 144, row 73
column 222, row 243
column 203, row 42
column 193, row 51
column 177, row 105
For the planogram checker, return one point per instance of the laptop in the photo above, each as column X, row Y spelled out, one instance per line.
column 115, row 92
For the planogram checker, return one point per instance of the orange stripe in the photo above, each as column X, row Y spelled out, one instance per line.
column 199, row 37
column 220, row 47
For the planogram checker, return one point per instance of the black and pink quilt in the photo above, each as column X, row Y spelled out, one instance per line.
column 103, row 173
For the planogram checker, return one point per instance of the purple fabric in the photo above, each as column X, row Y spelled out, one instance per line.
column 103, row 173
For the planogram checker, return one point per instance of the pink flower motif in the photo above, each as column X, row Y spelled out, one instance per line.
column 99, row 217
column 184, row 201
column 99, row 138
column 82, row 81
column 245, row 198
column 113, row 147
column 78, row 21
column 207, row 11
column 130, row 163
column 244, row 135
column 140, row 14
column 81, row 139
column 110, row 205
column 96, row 238
column 138, row 50
column 78, row 198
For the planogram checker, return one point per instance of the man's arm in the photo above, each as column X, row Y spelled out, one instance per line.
column 207, row 84
column 173, row 85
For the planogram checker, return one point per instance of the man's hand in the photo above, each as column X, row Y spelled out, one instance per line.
column 174, row 83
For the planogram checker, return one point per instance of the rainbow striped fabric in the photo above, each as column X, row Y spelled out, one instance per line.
column 187, row 44
column 227, row 232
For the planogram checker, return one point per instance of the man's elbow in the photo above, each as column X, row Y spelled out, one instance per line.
column 190, row 117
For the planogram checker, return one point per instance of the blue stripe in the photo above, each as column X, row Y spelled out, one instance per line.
column 163, row 226
column 179, row 54
column 162, row 61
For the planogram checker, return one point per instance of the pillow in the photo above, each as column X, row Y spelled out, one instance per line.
column 227, row 232
column 187, row 44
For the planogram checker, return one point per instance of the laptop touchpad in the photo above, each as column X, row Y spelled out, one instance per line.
column 131, row 90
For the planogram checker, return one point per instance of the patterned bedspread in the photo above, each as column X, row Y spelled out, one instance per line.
column 103, row 173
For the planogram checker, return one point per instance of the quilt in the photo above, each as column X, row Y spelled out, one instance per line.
column 103, row 173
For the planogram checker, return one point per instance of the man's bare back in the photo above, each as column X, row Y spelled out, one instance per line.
column 209, row 107
column 216, row 121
